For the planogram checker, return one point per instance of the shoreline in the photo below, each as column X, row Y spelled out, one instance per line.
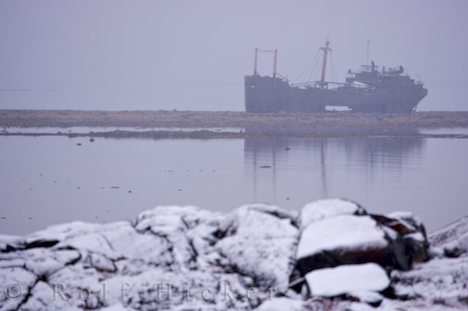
column 163, row 118
column 201, row 124
column 207, row 135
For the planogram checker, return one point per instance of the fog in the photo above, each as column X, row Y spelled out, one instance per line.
column 193, row 55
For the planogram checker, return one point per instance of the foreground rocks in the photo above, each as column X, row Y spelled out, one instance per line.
column 332, row 255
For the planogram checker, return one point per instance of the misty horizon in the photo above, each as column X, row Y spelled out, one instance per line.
column 194, row 56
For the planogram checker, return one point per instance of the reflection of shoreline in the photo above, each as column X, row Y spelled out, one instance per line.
column 320, row 155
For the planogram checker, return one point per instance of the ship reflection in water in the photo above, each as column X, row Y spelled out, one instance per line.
column 382, row 173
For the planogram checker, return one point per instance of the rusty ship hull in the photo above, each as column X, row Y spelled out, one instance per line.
column 265, row 94
column 371, row 89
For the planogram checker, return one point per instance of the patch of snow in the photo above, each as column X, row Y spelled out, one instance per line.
column 341, row 232
column 10, row 241
column 440, row 279
column 367, row 296
column 43, row 299
column 453, row 236
column 260, row 244
column 347, row 279
column 281, row 304
column 405, row 216
column 116, row 307
column 45, row 262
column 322, row 209
column 14, row 283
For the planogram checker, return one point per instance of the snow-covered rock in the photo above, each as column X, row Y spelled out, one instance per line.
column 349, row 239
column 281, row 304
column 453, row 239
column 347, row 279
column 10, row 242
column 341, row 232
column 411, row 229
column 266, row 254
column 327, row 208
column 201, row 258
column 240, row 261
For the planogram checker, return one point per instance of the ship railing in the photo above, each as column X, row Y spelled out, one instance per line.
column 282, row 77
column 318, row 84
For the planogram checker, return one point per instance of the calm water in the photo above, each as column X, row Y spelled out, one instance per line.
column 49, row 180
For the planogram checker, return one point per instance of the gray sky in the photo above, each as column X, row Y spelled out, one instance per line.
column 192, row 55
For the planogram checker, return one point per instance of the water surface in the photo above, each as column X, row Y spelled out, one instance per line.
column 49, row 180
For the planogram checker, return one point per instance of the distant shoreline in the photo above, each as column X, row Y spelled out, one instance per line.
column 198, row 124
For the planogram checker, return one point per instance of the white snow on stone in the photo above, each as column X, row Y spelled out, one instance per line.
column 407, row 218
column 281, row 304
column 442, row 279
column 263, row 245
column 10, row 240
column 347, row 279
column 322, row 209
column 13, row 286
column 367, row 296
column 453, row 236
column 346, row 231
column 221, row 258
column 116, row 307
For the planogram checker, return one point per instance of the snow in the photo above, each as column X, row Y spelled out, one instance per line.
column 327, row 208
column 453, row 236
column 10, row 241
column 116, row 307
column 222, row 257
column 13, row 285
column 263, row 245
column 341, row 232
column 281, row 304
column 347, row 279
column 367, row 296
column 438, row 279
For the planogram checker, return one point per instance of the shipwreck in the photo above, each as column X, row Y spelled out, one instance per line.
column 371, row 89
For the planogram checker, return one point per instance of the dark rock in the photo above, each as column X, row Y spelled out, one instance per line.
column 411, row 230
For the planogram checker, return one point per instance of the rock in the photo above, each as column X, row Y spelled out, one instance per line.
column 14, row 285
column 261, row 242
column 10, row 243
column 116, row 307
column 100, row 263
column 440, row 283
column 281, row 304
column 347, row 279
column 411, row 230
column 453, row 239
column 43, row 299
column 189, row 231
column 242, row 260
column 371, row 298
column 322, row 209
column 348, row 239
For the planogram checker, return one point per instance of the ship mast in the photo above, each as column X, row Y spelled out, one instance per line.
column 325, row 50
